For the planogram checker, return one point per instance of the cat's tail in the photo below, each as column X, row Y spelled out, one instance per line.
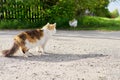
column 11, row 51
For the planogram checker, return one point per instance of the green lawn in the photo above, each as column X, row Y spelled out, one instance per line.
column 98, row 23
column 84, row 23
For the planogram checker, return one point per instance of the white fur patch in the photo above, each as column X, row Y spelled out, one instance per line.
column 42, row 41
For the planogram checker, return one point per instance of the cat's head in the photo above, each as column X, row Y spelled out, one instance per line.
column 50, row 27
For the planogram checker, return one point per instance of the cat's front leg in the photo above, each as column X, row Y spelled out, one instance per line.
column 43, row 47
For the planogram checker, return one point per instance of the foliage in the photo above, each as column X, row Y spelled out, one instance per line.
column 37, row 11
column 24, row 14
column 84, row 23
column 115, row 13
column 98, row 23
column 63, row 9
column 96, row 7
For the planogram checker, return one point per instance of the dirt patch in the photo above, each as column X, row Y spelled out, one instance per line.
column 70, row 55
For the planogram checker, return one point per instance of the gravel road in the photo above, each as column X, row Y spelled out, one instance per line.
column 70, row 55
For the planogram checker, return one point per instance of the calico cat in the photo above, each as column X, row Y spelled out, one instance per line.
column 37, row 37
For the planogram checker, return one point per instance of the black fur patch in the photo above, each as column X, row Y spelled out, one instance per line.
column 35, row 33
column 22, row 36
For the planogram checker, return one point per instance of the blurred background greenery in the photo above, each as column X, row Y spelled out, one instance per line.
column 27, row 14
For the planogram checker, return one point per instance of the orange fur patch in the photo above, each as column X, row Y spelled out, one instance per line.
column 32, row 36
column 51, row 27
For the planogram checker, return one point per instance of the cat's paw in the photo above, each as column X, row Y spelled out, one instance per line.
column 25, row 55
column 40, row 50
column 29, row 54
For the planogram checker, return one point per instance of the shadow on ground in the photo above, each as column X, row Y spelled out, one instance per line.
column 50, row 57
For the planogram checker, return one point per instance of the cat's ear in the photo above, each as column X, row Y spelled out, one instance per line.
column 55, row 24
column 48, row 23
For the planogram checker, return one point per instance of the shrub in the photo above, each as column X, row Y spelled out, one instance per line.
column 115, row 13
column 97, row 23
column 22, row 14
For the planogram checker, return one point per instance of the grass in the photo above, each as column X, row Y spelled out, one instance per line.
column 98, row 23
column 18, row 24
column 84, row 23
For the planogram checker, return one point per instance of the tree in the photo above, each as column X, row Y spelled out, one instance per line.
column 115, row 13
column 94, row 6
